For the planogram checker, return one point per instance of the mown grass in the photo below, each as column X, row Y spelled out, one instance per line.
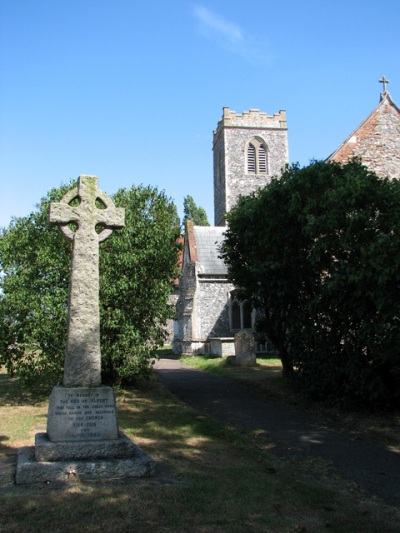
column 266, row 370
column 229, row 481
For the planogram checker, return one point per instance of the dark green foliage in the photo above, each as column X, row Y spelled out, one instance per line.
column 35, row 263
column 318, row 251
column 137, row 264
column 194, row 213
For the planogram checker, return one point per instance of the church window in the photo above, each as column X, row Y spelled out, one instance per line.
column 235, row 315
column 241, row 314
column 256, row 157
column 251, row 159
column 262, row 160
column 246, row 315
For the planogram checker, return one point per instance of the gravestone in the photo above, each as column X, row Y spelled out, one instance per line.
column 245, row 349
column 82, row 439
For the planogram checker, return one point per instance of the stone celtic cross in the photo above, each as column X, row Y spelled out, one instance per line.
column 94, row 216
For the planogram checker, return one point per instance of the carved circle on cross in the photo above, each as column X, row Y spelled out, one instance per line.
column 69, row 197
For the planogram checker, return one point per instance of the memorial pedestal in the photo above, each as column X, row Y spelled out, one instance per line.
column 82, row 439
column 82, row 442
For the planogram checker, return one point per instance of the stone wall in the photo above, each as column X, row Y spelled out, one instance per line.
column 241, row 183
column 376, row 141
column 222, row 346
column 202, row 312
column 213, row 308
column 170, row 325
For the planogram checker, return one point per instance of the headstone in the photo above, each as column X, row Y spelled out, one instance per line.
column 245, row 348
column 82, row 439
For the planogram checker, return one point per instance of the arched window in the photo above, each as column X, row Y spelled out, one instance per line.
column 262, row 160
column 241, row 313
column 236, row 315
column 251, row 159
column 257, row 157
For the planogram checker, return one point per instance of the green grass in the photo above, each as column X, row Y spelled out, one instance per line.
column 265, row 375
column 230, row 480
column 266, row 368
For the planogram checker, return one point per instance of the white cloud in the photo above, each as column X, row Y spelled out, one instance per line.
column 230, row 36
column 212, row 24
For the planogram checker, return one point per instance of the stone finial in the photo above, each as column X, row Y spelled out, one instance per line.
column 384, row 82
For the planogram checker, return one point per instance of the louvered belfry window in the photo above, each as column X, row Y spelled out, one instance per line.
column 257, row 160
column 251, row 159
column 262, row 160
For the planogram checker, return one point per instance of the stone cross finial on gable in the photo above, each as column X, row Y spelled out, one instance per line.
column 384, row 81
column 93, row 211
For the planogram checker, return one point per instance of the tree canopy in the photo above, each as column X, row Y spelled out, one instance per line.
column 193, row 212
column 317, row 253
column 137, row 264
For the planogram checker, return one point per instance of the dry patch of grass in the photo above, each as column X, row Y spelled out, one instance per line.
column 230, row 482
column 21, row 412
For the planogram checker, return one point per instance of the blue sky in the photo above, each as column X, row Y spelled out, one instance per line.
column 131, row 91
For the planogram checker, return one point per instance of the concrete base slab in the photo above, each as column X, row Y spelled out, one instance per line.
column 29, row 470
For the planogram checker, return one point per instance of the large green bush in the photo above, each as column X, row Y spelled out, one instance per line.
column 318, row 253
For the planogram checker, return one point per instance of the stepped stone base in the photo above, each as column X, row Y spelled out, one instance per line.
column 85, row 461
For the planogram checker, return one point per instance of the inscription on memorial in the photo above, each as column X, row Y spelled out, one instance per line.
column 85, row 413
column 82, row 414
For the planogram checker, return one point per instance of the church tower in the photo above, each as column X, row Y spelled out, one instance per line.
column 248, row 150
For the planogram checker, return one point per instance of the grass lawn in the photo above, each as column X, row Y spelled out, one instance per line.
column 230, row 480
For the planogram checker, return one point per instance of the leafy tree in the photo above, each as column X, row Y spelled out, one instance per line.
column 193, row 212
column 317, row 252
column 35, row 264
column 136, row 267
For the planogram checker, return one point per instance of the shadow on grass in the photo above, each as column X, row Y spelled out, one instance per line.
column 166, row 420
column 13, row 394
column 4, row 448
column 233, row 483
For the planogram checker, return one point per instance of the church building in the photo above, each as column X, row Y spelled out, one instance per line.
column 249, row 149
column 376, row 140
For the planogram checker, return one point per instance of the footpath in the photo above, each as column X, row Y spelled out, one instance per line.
column 369, row 464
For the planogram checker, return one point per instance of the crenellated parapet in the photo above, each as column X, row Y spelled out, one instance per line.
column 254, row 118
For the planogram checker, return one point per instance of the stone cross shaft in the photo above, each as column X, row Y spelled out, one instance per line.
column 88, row 209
